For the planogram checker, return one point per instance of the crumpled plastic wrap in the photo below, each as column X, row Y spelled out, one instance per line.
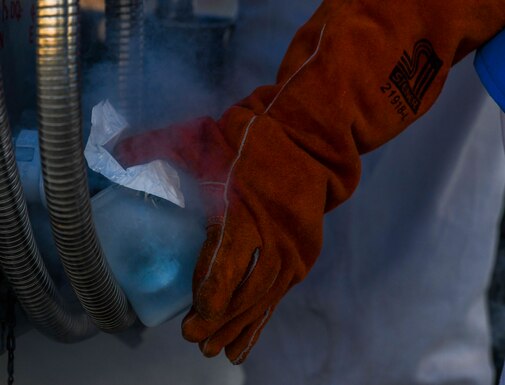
column 157, row 177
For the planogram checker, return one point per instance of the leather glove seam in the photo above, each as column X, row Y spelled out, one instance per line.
column 239, row 155
column 249, row 346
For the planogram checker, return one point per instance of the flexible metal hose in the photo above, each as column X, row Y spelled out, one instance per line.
column 125, row 41
column 20, row 258
column 64, row 168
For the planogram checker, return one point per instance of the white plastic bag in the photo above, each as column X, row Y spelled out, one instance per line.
column 157, row 177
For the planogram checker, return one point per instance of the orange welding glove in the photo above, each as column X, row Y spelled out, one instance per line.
column 356, row 74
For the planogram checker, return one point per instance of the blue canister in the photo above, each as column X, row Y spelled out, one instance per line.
column 152, row 247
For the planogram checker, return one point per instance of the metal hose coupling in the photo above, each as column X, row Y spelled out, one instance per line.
column 20, row 258
column 64, row 170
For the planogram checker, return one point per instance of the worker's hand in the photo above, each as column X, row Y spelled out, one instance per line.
column 265, row 200
column 354, row 77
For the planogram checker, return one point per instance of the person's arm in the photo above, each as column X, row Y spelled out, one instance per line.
column 355, row 75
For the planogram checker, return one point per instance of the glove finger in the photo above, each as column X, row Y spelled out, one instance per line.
column 195, row 328
column 224, row 261
column 217, row 334
column 231, row 330
column 238, row 350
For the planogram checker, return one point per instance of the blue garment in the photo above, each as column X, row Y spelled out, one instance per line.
column 489, row 63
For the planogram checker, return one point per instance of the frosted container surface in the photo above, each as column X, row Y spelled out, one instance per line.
column 152, row 247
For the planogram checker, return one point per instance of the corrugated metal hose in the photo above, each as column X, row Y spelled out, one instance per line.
column 20, row 259
column 125, row 43
column 64, row 170
column 65, row 181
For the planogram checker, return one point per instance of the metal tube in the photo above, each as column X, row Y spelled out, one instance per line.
column 20, row 258
column 125, row 41
column 64, row 170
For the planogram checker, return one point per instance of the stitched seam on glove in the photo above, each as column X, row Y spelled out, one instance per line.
column 239, row 154
column 249, row 346
column 204, row 347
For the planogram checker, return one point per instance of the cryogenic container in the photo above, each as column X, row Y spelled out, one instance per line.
column 152, row 247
